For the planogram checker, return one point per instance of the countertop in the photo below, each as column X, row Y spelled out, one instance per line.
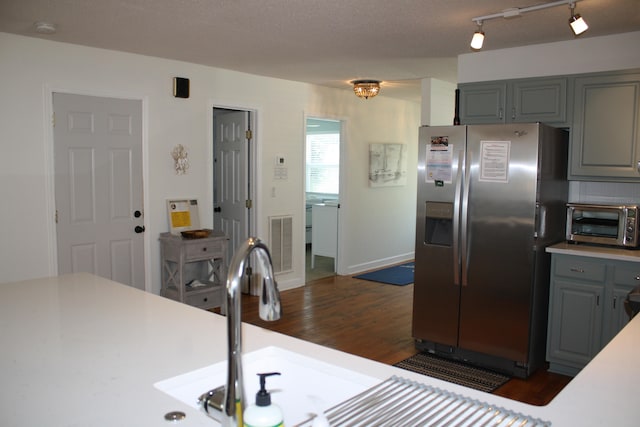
column 79, row 350
column 593, row 251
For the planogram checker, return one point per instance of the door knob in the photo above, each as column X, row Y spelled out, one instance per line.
column 137, row 214
column 139, row 229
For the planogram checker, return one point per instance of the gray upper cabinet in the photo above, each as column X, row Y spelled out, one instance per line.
column 515, row 101
column 482, row 103
column 605, row 143
column 601, row 109
column 538, row 100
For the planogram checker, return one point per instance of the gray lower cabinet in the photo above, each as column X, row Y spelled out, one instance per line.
column 515, row 101
column 626, row 276
column 586, row 308
column 605, row 137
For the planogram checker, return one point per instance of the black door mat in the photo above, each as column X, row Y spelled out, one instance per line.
column 453, row 371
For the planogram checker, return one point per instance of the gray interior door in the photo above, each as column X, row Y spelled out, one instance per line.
column 99, row 187
column 231, row 189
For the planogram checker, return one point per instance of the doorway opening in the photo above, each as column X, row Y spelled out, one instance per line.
column 322, row 196
column 233, row 171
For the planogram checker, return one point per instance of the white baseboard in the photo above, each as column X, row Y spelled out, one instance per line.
column 298, row 282
column 380, row 263
column 283, row 285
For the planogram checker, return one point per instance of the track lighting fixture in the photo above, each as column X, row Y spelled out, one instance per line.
column 578, row 25
column 478, row 38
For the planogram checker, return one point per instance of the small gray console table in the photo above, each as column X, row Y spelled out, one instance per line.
column 194, row 270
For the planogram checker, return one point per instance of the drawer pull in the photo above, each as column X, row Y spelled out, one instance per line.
column 579, row 270
column 637, row 277
column 204, row 249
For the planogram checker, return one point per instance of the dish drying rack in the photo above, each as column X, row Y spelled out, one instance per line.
column 400, row 402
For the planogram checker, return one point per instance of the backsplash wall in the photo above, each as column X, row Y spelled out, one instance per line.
column 604, row 192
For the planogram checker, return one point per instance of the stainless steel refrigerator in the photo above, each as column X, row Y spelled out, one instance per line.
column 491, row 198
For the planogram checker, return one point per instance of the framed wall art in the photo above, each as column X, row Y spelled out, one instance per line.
column 387, row 164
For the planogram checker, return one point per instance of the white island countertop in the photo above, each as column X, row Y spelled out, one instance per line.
column 79, row 350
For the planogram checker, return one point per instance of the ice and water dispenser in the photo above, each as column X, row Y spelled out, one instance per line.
column 438, row 223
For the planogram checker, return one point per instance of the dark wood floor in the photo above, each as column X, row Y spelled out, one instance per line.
column 372, row 320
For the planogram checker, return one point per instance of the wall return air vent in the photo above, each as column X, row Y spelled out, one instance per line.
column 281, row 243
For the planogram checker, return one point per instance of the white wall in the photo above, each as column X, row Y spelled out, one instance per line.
column 438, row 102
column 580, row 55
column 379, row 224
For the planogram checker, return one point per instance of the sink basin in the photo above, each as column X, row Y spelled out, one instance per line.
column 301, row 377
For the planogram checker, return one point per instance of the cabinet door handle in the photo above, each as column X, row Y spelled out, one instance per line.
column 513, row 113
column 614, row 302
column 638, row 166
column 637, row 277
column 597, row 300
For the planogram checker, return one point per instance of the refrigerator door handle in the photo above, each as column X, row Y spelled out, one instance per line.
column 464, row 219
column 541, row 221
column 456, row 219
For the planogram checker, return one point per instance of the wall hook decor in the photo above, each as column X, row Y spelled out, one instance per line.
column 180, row 159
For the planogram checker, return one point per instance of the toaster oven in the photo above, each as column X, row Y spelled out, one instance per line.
column 611, row 225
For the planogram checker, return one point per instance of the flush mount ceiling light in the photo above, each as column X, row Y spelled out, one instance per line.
column 578, row 25
column 366, row 88
column 44, row 27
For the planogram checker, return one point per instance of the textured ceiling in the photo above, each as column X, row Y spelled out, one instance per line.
column 325, row 42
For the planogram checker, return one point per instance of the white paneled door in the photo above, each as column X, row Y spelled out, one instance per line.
column 98, row 187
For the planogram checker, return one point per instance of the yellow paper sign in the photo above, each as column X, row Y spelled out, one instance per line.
column 181, row 219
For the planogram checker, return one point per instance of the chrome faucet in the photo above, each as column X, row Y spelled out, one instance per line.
column 234, row 399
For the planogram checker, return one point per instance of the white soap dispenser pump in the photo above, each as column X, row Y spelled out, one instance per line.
column 263, row 413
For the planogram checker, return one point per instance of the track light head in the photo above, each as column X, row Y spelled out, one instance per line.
column 577, row 24
column 478, row 37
